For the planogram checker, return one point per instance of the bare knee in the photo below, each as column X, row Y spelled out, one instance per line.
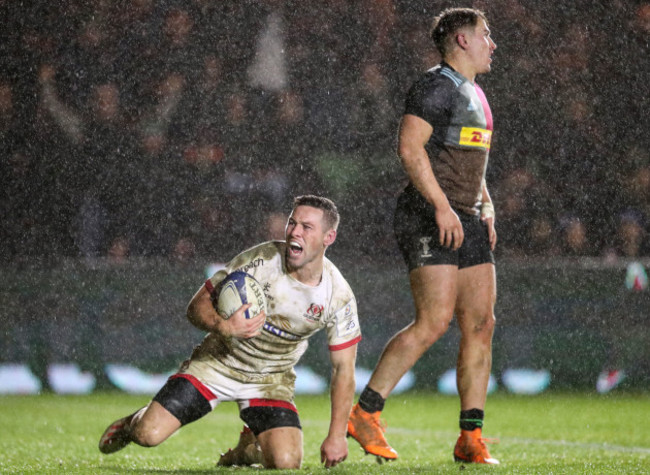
column 285, row 461
column 485, row 324
column 478, row 326
column 281, row 447
column 426, row 331
column 147, row 436
column 152, row 425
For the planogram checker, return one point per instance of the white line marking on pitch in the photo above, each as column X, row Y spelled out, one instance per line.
column 515, row 440
column 522, row 440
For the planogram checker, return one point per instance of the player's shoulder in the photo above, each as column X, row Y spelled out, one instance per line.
column 435, row 91
column 258, row 256
column 441, row 76
column 339, row 283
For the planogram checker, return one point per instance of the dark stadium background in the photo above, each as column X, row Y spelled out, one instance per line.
column 143, row 140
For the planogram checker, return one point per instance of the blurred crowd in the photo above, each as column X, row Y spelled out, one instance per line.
column 183, row 128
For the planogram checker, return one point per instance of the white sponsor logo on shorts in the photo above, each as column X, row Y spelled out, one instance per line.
column 426, row 250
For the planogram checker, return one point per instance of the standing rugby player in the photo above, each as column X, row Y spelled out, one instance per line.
column 444, row 224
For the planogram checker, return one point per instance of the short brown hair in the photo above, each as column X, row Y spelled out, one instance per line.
column 447, row 24
column 330, row 212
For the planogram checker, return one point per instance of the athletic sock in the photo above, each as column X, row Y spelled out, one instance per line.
column 471, row 419
column 129, row 420
column 371, row 401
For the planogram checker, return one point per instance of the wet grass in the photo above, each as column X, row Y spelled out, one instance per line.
column 550, row 433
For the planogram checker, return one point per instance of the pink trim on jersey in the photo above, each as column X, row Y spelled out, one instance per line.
column 486, row 107
column 209, row 287
column 345, row 345
column 272, row 403
column 205, row 392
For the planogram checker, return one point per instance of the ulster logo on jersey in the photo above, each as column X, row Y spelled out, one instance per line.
column 314, row 312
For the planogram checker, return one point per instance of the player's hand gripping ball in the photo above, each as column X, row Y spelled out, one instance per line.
column 237, row 289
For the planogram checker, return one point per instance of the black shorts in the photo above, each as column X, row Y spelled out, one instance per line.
column 418, row 237
column 187, row 403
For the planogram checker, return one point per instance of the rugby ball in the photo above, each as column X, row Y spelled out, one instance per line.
column 237, row 289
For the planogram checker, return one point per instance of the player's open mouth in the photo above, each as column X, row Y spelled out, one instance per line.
column 295, row 249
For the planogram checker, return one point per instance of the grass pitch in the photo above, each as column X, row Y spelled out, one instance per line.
column 550, row 433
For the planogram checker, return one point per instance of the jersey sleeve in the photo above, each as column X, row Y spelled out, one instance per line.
column 343, row 330
column 246, row 261
column 430, row 100
column 212, row 284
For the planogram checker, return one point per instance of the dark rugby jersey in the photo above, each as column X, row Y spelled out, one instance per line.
column 462, row 130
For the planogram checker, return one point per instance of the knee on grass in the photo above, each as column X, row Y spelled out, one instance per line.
column 283, row 461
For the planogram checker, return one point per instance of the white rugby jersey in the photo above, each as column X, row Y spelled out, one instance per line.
column 295, row 312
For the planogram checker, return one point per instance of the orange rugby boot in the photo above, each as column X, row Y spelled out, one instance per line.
column 366, row 429
column 471, row 448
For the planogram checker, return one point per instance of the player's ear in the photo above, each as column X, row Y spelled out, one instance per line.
column 461, row 41
column 330, row 237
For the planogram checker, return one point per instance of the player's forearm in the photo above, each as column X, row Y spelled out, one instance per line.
column 202, row 321
column 201, row 312
column 342, row 395
column 417, row 165
column 414, row 133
